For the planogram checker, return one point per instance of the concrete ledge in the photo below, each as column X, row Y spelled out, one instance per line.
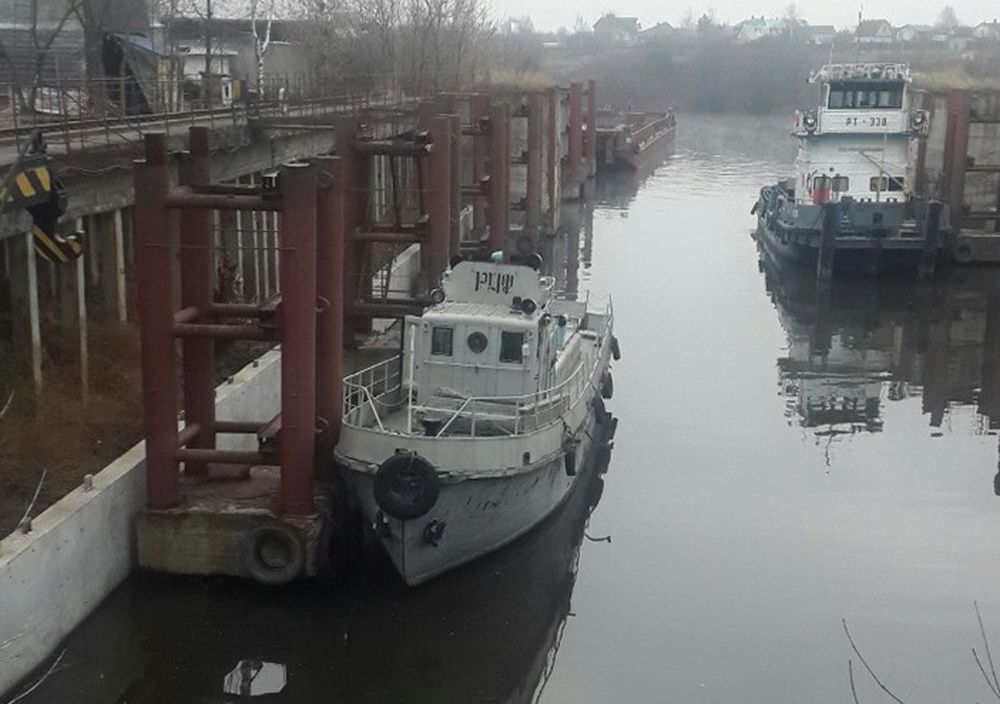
column 78, row 551
column 83, row 546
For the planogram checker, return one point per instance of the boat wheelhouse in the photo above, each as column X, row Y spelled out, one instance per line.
column 858, row 151
column 477, row 430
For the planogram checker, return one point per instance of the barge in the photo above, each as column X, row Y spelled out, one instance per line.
column 636, row 141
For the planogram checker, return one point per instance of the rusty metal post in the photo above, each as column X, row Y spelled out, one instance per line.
column 956, row 148
column 552, row 158
column 479, row 112
column 591, row 141
column 575, row 133
column 824, row 259
column 455, row 174
column 155, row 311
column 499, row 175
column 297, row 184
column 448, row 105
column 196, row 264
column 434, row 248
column 932, row 240
column 924, row 101
column 533, row 212
column 330, row 291
column 345, row 130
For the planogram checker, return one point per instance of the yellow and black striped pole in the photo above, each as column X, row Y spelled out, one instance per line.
column 32, row 185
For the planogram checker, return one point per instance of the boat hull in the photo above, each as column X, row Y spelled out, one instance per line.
column 473, row 515
column 895, row 245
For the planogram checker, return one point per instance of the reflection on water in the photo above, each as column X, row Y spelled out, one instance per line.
column 489, row 632
column 856, row 344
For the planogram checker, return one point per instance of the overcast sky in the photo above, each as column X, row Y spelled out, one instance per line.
column 549, row 15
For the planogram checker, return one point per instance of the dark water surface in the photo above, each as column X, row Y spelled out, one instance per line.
column 784, row 461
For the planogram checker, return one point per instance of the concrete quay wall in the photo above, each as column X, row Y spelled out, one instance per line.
column 82, row 547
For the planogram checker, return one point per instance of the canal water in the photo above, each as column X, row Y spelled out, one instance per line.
column 787, row 462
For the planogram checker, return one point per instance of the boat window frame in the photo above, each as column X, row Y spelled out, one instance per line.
column 886, row 184
column 865, row 95
column 507, row 337
column 438, row 350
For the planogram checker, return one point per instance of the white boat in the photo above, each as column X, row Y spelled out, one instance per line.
column 475, row 432
column 858, row 152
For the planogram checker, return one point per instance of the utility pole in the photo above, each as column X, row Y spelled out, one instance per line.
column 208, row 38
column 207, row 81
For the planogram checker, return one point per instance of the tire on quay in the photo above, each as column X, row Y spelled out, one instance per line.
column 273, row 554
column 406, row 486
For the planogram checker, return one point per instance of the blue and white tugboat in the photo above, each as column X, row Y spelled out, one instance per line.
column 477, row 431
column 857, row 151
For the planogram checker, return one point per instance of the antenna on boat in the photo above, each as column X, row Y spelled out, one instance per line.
column 857, row 35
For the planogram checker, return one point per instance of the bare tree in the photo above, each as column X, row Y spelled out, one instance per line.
column 42, row 35
column 261, row 11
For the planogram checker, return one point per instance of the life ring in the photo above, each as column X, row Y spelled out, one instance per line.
column 963, row 253
column 607, row 385
column 616, row 352
column 406, row 486
column 273, row 554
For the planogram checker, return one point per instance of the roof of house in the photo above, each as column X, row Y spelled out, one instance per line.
column 871, row 28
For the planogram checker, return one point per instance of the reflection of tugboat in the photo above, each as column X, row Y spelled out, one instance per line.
column 475, row 433
column 856, row 159
column 857, row 344
column 636, row 141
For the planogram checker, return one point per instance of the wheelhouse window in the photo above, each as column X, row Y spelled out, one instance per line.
column 886, row 183
column 512, row 347
column 832, row 184
column 441, row 341
column 867, row 96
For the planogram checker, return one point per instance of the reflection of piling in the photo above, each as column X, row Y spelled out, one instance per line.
column 822, row 334
column 828, row 240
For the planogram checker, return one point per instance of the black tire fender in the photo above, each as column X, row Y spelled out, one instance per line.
column 963, row 253
column 607, row 385
column 406, row 486
column 273, row 554
column 616, row 352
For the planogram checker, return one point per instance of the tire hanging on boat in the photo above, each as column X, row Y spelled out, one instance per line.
column 273, row 554
column 607, row 385
column 406, row 486
column 616, row 352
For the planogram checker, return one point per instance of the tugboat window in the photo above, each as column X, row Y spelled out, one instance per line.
column 886, row 183
column 511, row 347
column 441, row 341
column 477, row 342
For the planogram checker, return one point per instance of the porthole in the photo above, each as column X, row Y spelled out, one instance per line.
column 477, row 342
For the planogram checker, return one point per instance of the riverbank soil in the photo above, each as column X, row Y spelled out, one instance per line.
column 58, row 434
column 65, row 438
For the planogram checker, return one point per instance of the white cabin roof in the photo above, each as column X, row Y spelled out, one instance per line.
column 862, row 72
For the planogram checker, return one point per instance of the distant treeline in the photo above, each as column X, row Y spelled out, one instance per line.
column 761, row 77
